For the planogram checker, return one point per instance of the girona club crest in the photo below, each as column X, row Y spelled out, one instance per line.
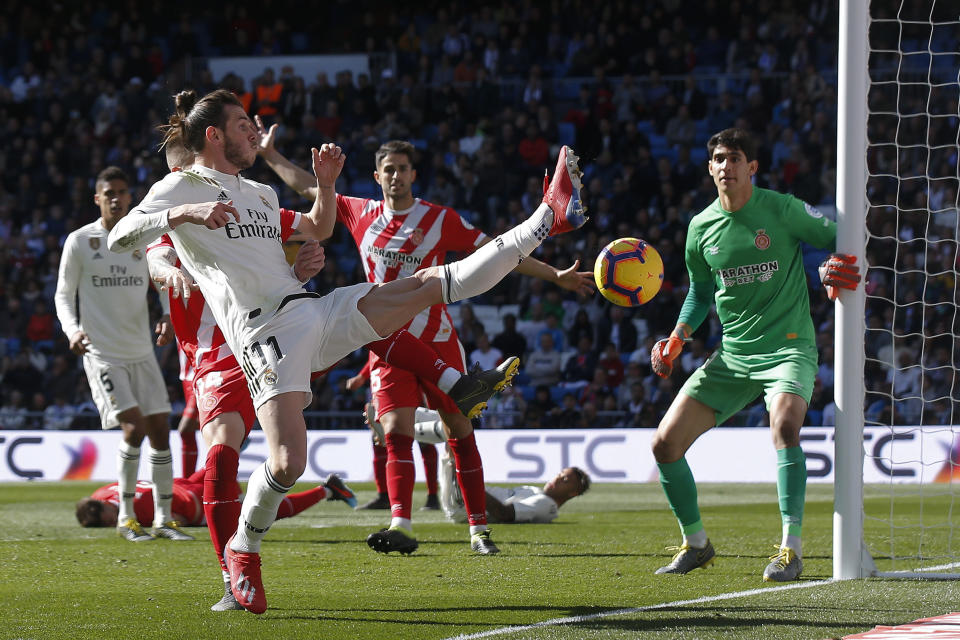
column 762, row 241
column 417, row 237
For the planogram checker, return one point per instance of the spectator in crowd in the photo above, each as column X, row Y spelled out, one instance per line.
column 543, row 364
column 486, row 355
column 509, row 341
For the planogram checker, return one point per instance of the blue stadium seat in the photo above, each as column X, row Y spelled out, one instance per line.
column 527, row 391
column 365, row 188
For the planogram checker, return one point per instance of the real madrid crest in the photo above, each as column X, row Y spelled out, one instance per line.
column 762, row 241
column 137, row 255
column 94, row 243
column 270, row 377
column 265, row 203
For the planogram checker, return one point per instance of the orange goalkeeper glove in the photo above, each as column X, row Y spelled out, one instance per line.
column 664, row 352
column 839, row 270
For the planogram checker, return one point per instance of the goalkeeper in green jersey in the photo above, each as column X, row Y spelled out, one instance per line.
column 743, row 253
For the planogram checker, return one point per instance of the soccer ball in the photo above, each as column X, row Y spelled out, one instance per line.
column 628, row 272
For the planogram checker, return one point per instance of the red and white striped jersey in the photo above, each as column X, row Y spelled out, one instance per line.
column 395, row 244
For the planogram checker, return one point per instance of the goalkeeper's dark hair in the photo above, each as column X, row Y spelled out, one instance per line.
column 584, row 479
column 90, row 512
column 733, row 138
column 192, row 116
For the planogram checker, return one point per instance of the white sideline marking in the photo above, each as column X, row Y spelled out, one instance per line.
column 622, row 612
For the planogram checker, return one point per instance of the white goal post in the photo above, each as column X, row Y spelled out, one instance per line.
column 891, row 120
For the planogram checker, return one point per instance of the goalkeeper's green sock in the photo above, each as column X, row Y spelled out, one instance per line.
column 681, row 491
column 792, row 491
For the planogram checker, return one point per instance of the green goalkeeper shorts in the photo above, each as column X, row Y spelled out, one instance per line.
column 728, row 382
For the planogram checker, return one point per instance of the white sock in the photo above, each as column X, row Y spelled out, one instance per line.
column 448, row 378
column 429, row 431
column 402, row 523
column 792, row 542
column 477, row 528
column 696, row 540
column 161, row 474
column 489, row 264
column 259, row 510
column 128, row 462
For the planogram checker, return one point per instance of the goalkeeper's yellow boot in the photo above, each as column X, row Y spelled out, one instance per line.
column 785, row 566
column 688, row 558
column 131, row 530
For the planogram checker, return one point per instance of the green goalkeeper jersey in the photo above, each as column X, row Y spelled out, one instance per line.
column 752, row 259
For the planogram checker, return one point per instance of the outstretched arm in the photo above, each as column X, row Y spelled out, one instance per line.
column 499, row 512
column 580, row 282
column 297, row 178
column 328, row 161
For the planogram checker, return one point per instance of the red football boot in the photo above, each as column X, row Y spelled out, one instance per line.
column 245, row 581
column 563, row 194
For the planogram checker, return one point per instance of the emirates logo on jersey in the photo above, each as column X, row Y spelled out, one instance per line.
column 762, row 241
column 417, row 237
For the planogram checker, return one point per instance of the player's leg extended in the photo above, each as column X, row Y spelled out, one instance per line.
column 469, row 465
column 787, row 411
column 684, row 422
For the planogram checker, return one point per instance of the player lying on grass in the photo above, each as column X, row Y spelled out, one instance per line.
column 743, row 253
column 527, row 503
column 101, row 508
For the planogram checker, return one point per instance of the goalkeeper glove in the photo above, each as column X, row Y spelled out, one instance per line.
column 664, row 352
column 839, row 270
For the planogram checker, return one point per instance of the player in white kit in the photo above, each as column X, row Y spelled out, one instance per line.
column 226, row 231
column 111, row 331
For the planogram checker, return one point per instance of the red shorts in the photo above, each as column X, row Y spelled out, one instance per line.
column 190, row 408
column 220, row 392
column 394, row 388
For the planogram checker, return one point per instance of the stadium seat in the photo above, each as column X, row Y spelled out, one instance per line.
column 566, row 133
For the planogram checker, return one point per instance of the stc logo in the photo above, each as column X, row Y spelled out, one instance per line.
column 531, row 452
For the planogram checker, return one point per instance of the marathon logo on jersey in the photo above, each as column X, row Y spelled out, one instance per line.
column 392, row 258
column 747, row 274
column 258, row 227
column 118, row 278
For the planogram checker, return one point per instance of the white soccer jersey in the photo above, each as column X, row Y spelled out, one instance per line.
column 240, row 268
column 113, row 296
column 530, row 504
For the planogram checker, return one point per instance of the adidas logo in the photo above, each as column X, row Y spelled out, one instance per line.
column 243, row 586
column 97, row 256
column 222, row 197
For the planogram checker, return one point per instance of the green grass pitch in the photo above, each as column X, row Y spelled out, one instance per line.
column 322, row 581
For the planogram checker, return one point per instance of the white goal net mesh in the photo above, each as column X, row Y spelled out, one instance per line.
column 912, row 351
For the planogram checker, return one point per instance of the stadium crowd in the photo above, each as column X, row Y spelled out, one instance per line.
column 485, row 95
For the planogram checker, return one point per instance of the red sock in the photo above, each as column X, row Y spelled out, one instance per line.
column 380, row 467
column 429, row 454
column 294, row 503
column 401, row 474
column 470, row 478
column 403, row 349
column 221, row 496
column 188, row 452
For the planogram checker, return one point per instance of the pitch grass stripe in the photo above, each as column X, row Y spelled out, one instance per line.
column 623, row 612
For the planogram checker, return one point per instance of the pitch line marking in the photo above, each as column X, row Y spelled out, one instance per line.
column 622, row 612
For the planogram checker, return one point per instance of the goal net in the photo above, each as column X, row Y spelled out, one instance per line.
column 899, row 207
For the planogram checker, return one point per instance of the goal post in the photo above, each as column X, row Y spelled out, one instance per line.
column 848, row 544
column 898, row 337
